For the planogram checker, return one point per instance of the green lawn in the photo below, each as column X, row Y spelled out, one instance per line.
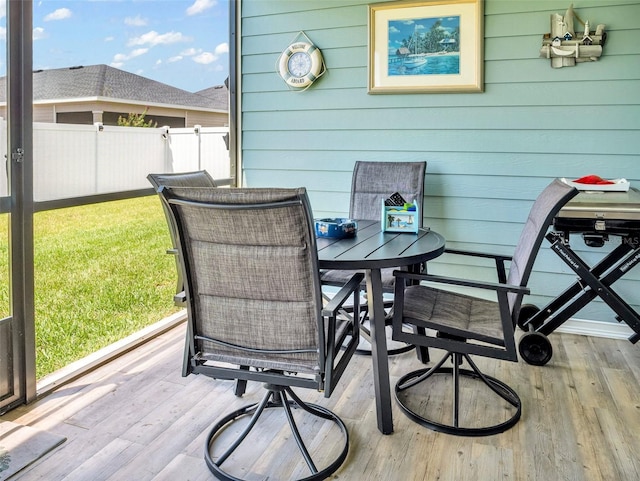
column 101, row 273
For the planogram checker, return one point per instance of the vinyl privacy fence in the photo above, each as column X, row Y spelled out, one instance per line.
column 83, row 160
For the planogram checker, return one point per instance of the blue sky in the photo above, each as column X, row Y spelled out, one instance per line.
column 403, row 29
column 183, row 43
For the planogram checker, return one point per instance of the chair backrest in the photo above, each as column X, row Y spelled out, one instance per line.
column 199, row 178
column 544, row 209
column 250, row 265
column 373, row 182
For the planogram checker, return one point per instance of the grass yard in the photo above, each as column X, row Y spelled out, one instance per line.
column 101, row 273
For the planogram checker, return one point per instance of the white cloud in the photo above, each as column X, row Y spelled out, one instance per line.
column 3, row 33
column 122, row 57
column 137, row 52
column 200, row 6
column 177, row 58
column 116, row 64
column 205, row 58
column 39, row 33
column 59, row 14
column 222, row 48
column 153, row 38
column 136, row 21
column 109, row 39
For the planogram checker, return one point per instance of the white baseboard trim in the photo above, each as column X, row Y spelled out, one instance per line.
column 585, row 327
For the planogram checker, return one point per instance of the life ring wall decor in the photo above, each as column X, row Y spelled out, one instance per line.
column 301, row 64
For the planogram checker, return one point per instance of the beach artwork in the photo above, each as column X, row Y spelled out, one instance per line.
column 424, row 46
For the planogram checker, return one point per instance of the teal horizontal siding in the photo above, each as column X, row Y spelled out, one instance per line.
column 488, row 154
column 621, row 118
column 597, row 92
column 544, row 142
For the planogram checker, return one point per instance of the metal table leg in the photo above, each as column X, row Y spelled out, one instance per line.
column 379, row 354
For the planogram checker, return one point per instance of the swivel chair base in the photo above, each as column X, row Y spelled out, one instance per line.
column 364, row 349
column 498, row 387
column 365, row 335
column 276, row 397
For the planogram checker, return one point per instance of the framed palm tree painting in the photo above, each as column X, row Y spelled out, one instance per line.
column 426, row 46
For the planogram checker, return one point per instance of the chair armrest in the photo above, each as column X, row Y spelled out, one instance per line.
column 180, row 299
column 487, row 255
column 499, row 259
column 343, row 294
column 338, row 351
column 494, row 286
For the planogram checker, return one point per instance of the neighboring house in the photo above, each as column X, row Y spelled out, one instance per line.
column 219, row 95
column 100, row 93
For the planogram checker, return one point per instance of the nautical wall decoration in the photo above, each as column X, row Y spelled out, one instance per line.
column 566, row 47
column 301, row 63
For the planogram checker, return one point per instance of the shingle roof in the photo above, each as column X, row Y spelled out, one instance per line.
column 109, row 82
column 219, row 94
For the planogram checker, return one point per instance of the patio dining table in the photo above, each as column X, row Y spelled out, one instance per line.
column 371, row 250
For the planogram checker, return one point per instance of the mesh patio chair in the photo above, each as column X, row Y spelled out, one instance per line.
column 371, row 183
column 464, row 325
column 200, row 178
column 255, row 312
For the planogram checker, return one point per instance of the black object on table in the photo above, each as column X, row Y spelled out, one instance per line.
column 595, row 215
column 371, row 250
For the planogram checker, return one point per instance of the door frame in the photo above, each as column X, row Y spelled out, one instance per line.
column 20, row 180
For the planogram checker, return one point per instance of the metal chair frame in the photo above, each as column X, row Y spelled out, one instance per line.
column 366, row 204
column 487, row 331
column 199, row 178
column 337, row 337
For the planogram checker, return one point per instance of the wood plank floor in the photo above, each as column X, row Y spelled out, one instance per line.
column 137, row 419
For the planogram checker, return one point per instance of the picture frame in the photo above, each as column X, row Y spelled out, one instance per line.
column 430, row 46
column 400, row 219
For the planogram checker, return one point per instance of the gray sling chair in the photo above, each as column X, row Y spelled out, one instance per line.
column 200, row 178
column 255, row 312
column 371, row 183
column 463, row 325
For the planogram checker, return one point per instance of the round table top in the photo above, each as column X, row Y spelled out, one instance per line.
column 371, row 248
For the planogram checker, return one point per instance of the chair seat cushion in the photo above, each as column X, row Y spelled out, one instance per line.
column 453, row 313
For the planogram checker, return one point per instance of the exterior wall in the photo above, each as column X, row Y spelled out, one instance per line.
column 206, row 119
column 46, row 112
column 41, row 114
column 489, row 154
